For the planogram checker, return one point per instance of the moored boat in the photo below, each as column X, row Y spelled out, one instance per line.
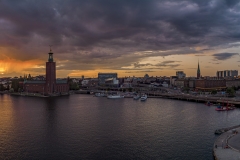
column 115, row 96
column 224, row 108
column 136, row 97
column 208, row 103
column 99, row 94
column 143, row 97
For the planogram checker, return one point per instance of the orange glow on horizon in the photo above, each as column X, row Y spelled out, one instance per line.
column 8, row 66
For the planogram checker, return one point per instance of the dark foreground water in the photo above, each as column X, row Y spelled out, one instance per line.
column 87, row 127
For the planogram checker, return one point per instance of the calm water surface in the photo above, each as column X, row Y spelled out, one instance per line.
column 87, row 127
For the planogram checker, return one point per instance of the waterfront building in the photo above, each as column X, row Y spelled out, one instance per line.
column 136, row 81
column 233, row 83
column 179, row 83
column 112, row 82
column 172, row 80
column 191, row 83
column 150, row 80
column 126, row 85
column 85, row 82
column 210, row 84
column 49, row 86
column 165, row 84
column 103, row 76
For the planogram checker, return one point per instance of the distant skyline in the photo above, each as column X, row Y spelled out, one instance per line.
column 131, row 38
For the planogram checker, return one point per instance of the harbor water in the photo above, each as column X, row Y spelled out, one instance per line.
column 86, row 127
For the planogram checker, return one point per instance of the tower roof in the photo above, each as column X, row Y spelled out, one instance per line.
column 50, row 55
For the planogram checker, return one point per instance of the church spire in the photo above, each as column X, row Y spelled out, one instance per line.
column 198, row 71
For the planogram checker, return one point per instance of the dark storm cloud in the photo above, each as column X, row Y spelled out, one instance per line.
column 224, row 56
column 137, row 65
column 103, row 31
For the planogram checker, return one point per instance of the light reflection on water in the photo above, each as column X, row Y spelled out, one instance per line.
column 86, row 127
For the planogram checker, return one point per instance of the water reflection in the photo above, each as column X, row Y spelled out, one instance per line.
column 6, row 124
column 86, row 127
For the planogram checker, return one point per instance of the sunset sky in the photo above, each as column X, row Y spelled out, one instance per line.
column 130, row 37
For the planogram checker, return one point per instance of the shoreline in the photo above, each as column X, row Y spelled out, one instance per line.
column 182, row 97
column 37, row 95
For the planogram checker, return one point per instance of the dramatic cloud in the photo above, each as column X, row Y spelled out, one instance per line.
column 224, row 56
column 110, row 35
column 169, row 64
column 137, row 65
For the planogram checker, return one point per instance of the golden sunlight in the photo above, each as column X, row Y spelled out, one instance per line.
column 9, row 66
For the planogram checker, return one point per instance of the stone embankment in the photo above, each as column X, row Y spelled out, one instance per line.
column 37, row 94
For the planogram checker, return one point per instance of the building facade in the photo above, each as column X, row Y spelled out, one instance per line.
column 205, row 84
column 232, row 83
column 49, row 86
column 179, row 83
column 103, row 76
column 227, row 73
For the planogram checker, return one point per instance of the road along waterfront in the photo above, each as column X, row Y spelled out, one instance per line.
column 227, row 145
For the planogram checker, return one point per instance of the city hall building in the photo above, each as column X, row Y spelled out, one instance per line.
column 49, row 86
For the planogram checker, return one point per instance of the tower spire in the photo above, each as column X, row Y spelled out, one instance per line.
column 50, row 48
column 198, row 71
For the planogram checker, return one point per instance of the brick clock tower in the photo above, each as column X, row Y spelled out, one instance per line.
column 51, row 86
column 50, row 74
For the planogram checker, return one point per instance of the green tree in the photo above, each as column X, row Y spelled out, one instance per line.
column 230, row 92
column 214, row 92
column 130, row 89
column 15, row 84
column 2, row 87
column 73, row 85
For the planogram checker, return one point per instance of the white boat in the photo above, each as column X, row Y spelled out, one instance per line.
column 115, row 96
column 136, row 97
column 99, row 94
column 143, row 97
